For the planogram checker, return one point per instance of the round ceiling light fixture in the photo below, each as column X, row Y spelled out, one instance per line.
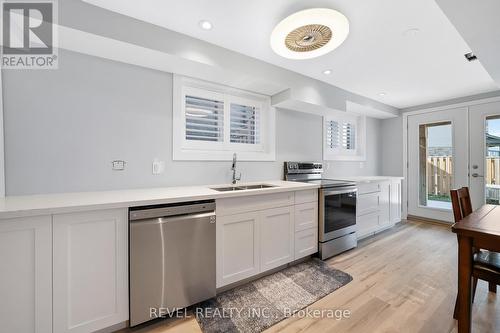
column 327, row 71
column 309, row 33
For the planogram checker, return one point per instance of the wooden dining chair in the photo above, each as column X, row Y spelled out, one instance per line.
column 486, row 264
column 460, row 200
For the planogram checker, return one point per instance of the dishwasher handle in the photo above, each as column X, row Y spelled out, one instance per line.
column 147, row 213
column 170, row 219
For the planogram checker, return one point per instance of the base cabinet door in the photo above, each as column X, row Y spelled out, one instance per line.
column 237, row 247
column 396, row 201
column 90, row 270
column 277, row 235
column 385, row 204
column 26, row 275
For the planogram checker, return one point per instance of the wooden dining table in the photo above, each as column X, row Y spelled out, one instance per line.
column 481, row 230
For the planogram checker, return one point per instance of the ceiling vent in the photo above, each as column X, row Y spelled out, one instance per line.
column 470, row 56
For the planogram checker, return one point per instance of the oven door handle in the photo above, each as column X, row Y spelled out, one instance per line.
column 340, row 191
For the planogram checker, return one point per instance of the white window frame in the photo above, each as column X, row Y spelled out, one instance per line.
column 189, row 150
column 359, row 151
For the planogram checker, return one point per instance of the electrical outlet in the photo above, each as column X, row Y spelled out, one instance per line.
column 118, row 165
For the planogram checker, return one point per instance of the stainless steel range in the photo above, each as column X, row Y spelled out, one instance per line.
column 337, row 207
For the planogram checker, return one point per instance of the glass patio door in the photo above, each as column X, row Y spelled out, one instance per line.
column 484, row 151
column 437, row 161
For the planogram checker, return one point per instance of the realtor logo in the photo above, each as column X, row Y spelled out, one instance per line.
column 28, row 35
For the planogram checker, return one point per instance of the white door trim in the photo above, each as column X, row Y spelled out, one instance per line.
column 2, row 147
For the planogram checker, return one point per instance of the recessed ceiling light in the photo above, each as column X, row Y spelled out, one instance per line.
column 382, row 94
column 327, row 71
column 309, row 33
column 412, row 32
column 205, row 25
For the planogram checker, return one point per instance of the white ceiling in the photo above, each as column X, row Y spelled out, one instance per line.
column 376, row 58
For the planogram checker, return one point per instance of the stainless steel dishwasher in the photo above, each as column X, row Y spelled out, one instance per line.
column 172, row 258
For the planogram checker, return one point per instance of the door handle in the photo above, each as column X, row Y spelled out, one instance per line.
column 475, row 175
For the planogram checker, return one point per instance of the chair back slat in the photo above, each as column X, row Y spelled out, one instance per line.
column 460, row 200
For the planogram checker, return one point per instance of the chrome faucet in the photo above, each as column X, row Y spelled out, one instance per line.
column 235, row 179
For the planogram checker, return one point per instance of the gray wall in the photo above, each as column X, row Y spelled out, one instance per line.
column 373, row 164
column 392, row 143
column 64, row 127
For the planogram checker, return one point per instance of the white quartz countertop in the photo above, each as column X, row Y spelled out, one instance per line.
column 44, row 204
column 369, row 179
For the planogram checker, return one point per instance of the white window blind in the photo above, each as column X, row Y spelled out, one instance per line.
column 204, row 119
column 245, row 124
column 341, row 135
column 211, row 122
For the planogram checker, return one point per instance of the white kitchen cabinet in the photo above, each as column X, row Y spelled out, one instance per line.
column 26, row 275
column 396, row 201
column 306, row 229
column 367, row 224
column 306, row 196
column 378, row 206
column 90, row 275
column 368, row 203
column 258, row 233
column 306, row 216
column 252, row 203
column 385, row 204
column 277, row 236
column 238, row 254
column 306, row 242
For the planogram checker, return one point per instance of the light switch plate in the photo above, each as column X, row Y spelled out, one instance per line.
column 158, row 167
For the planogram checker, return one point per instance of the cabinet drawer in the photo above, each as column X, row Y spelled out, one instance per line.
column 306, row 196
column 367, row 224
column 367, row 203
column 252, row 203
column 306, row 242
column 364, row 188
column 306, row 216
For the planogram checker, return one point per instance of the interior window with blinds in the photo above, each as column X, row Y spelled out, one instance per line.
column 211, row 122
column 204, row 119
column 245, row 123
column 344, row 137
column 341, row 135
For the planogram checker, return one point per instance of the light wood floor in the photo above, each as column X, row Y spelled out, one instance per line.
column 404, row 281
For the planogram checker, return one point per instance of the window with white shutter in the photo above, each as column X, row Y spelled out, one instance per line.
column 211, row 122
column 245, row 124
column 341, row 135
column 204, row 119
column 344, row 138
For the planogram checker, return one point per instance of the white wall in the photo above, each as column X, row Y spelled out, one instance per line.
column 64, row 127
column 179, row 53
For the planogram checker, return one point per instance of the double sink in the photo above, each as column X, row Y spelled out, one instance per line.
column 243, row 187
